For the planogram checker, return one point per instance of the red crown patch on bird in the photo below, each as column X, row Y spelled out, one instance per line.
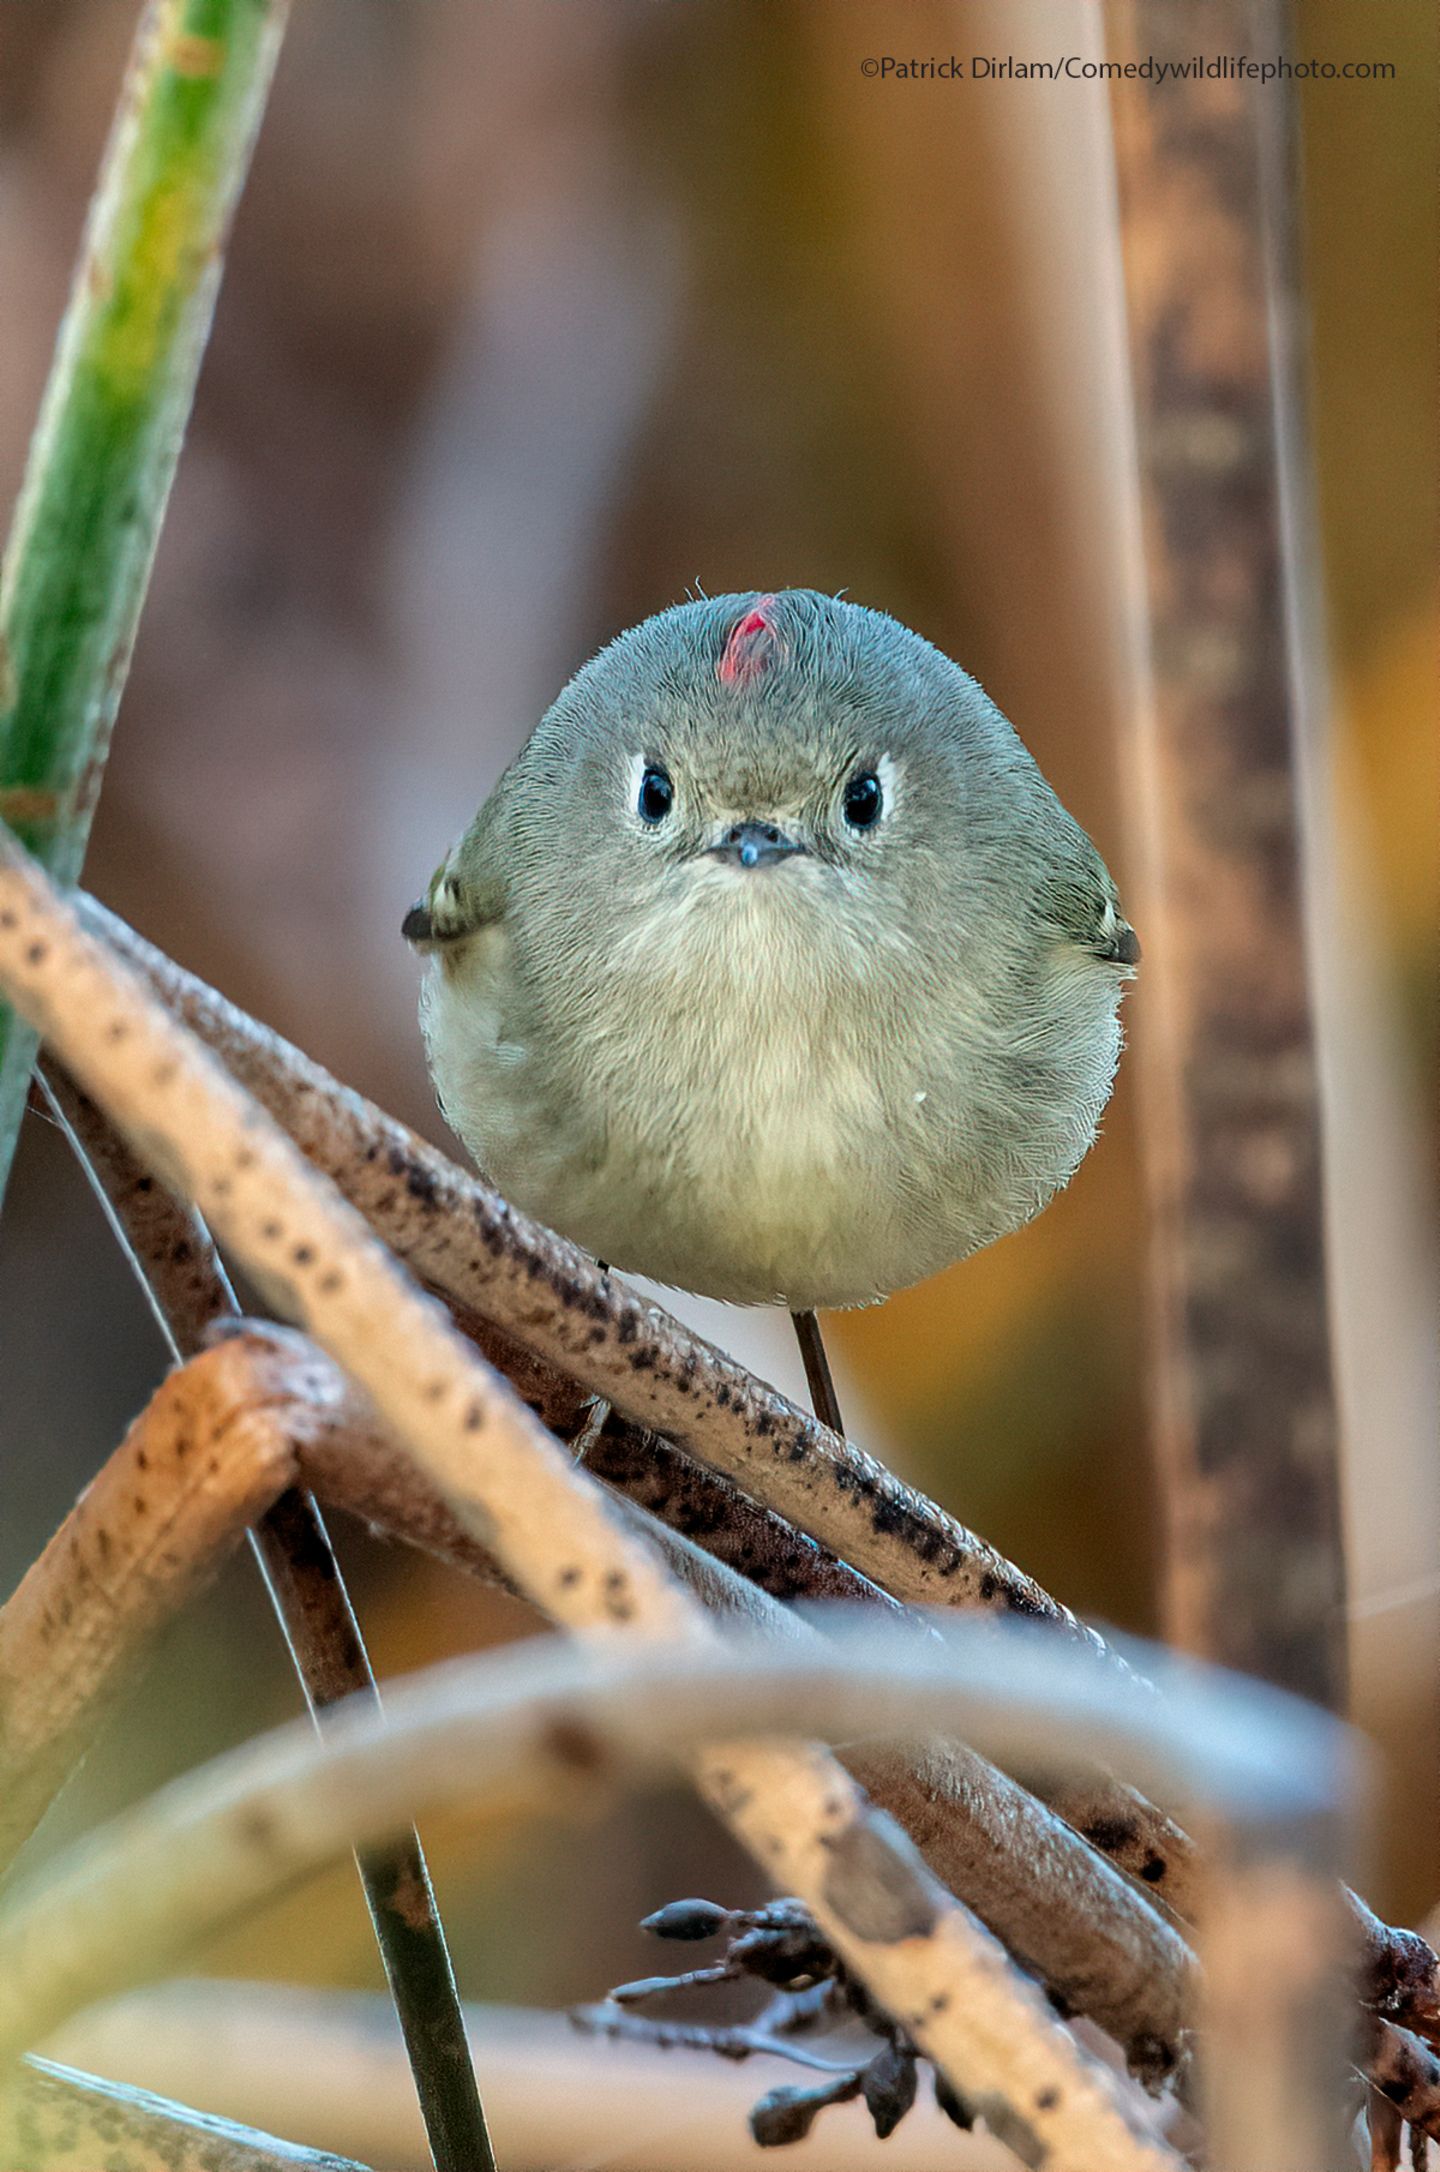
column 754, row 645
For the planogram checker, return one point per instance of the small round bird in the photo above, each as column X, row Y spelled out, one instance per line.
column 772, row 968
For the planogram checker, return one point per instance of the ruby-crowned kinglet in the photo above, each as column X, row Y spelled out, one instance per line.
column 772, row 968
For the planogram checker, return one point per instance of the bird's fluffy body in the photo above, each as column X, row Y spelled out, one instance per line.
column 810, row 1081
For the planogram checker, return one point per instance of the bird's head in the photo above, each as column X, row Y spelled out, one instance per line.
column 752, row 756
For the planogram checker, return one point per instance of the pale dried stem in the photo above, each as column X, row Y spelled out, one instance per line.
column 542, row 1722
column 540, row 1725
column 53, row 2119
column 1053, row 1902
column 509, row 1481
column 322, row 2066
column 578, row 1325
column 1295, row 2020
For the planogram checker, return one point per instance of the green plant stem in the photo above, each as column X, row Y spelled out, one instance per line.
column 108, row 436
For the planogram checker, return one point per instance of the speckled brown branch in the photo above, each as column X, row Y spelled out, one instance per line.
column 264, row 1393
column 1399, row 1973
column 688, row 1497
column 1405, row 2072
column 587, row 1334
column 423, row 1204
column 513, row 1485
column 198, row 1466
column 1246, row 1418
column 53, row 2119
column 179, row 1269
column 464, row 1240
column 431, row 1212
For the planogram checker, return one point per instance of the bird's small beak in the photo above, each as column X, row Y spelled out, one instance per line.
column 755, row 844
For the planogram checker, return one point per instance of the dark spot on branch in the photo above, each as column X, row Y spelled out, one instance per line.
column 1111, row 1835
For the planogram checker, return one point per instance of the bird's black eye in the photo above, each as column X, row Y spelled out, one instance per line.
column 657, row 794
column 864, row 800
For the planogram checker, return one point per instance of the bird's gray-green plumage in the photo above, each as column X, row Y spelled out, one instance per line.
column 812, row 1080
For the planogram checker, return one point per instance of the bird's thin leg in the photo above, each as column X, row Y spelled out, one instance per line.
column 817, row 1371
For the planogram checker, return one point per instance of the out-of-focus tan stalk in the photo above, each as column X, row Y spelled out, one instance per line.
column 318, row 2065
column 1245, row 1410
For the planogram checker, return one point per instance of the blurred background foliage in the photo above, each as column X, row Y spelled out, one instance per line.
column 536, row 314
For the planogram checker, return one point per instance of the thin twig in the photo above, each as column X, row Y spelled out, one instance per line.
column 176, row 1264
column 513, row 1484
